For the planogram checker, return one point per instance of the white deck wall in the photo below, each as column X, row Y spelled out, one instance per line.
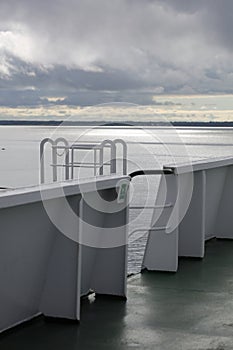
column 42, row 270
column 209, row 213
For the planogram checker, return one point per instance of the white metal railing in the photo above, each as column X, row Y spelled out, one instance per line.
column 69, row 150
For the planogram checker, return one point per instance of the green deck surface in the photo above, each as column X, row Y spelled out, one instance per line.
column 188, row 310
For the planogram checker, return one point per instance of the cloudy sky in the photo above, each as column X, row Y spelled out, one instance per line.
column 85, row 52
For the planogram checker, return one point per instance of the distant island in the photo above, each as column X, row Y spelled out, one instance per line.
column 97, row 123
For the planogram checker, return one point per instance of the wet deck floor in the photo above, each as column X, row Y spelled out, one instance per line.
column 189, row 310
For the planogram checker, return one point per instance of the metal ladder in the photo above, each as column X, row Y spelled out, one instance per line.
column 149, row 172
column 69, row 150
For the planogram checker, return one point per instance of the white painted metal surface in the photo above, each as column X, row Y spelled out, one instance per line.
column 44, row 270
column 209, row 213
column 41, row 269
column 162, row 246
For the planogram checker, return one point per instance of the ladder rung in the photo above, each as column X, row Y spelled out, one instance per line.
column 145, row 229
column 169, row 205
column 77, row 165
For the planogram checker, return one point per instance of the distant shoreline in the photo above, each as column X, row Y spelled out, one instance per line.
column 97, row 123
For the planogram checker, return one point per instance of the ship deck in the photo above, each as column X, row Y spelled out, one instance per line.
column 188, row 310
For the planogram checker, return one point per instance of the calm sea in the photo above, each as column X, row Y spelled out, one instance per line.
column 148, row 148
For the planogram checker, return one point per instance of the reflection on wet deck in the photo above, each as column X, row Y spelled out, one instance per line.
column 189, row 310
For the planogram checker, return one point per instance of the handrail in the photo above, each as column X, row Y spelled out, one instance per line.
column 42, row 166
column 70, row 164
column 166, row 171
column 54, row 145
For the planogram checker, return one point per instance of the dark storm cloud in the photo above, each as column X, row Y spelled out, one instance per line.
column 214, row 16
column 101, row 50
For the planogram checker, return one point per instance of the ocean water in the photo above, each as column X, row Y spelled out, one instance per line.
column 148, row 148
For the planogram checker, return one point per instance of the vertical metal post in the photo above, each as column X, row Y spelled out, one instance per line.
column 72, row 163
column 101, row 168
column 95, row 160
column 67, row 170
column 42, row 155
column 124, row 154
column 113, row 156
column 54, row 161
column 42, row 162
column 66, row 144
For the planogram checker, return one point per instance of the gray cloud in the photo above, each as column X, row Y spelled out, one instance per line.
column 101, row 50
